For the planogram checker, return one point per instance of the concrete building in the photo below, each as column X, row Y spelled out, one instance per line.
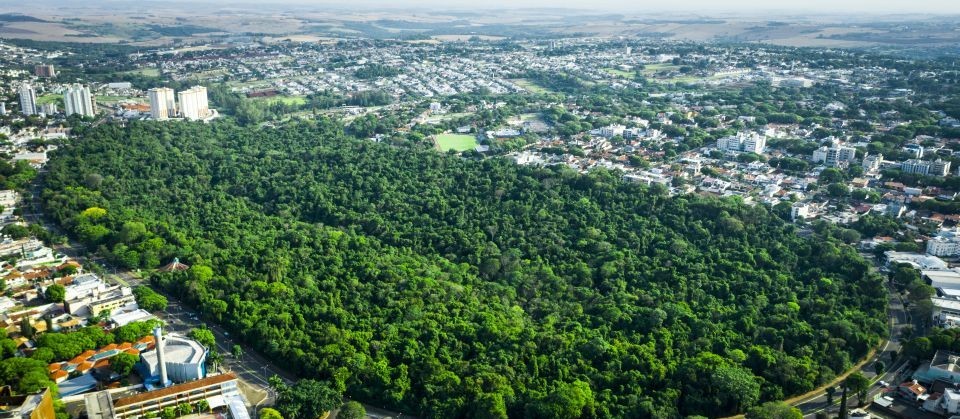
column 163, row 104
column 946, row 311
column 30, row 406
column 746, row 142
column 944, row 366
column 3, row 109
column 28, row 100
column 78, row 101
column 835, row 156
column 175, row 360
column 193, row 103
column 872, row 162
column 83, row 285
column 219, row 391
column 48, row 108
column 100, row 300
column 926, row 168
column 945, row 243
column 44, row 70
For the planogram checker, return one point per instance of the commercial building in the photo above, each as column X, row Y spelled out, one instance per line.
column 945, row 243
column 44, row 70
column 163, row 104
column 77, row 101
column 220, row 392
column 28, row 100
column 193, row 103
column 30, row 406
column 946, row 311
column 746, row 142
column 835, row 156
column 176, row 359
column 99, row 300
column 945, row 366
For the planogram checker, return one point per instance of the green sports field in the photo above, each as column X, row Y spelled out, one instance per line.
column 459, row 142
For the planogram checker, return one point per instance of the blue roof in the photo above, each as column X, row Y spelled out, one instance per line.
column 81, row 384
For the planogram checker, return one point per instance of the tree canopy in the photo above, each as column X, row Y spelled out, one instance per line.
column 453, row 287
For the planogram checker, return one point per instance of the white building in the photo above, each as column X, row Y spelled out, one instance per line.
column 77, row 101
column 28, row 100
column 871, row 162
column 193, row 103
column 922, row 167
column 946, row 243
column 834, row 156
column 163, row 103
column 746, row 142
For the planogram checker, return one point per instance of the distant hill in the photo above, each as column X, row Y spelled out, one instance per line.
column 16, row 17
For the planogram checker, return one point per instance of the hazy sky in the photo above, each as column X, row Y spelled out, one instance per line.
column 809, row 6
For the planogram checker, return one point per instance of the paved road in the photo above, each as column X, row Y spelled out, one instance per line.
column 898, row 320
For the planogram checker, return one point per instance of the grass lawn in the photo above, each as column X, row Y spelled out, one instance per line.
column 114, row 99
column 147, row 72
column 656, row 68
column 459, row 142
column 286, row 100
column 621, row 73
column 49, row 98
column 530, row 86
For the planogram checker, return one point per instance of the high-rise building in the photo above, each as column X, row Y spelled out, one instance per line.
column 3, row 109
column 77, row 100
column 44, row 70
column 28, row 100
column 871, row 162
column 835, row 155
column 193, row 103
column 163, row 104
column 48, row 108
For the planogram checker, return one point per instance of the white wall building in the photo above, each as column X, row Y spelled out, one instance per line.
column 945, row 243
column 77, row 101
column 28, row 100
column 193, row 103
column 834, row 156
column 163, row 103
column 746, row 142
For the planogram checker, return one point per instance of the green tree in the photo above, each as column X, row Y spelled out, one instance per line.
column 26, row 327
column 237, row 351
column 774, row 410
column 268, row 413
column 123, row 363
column 351, row 410
column 55, row 293
column 307, row 399
column 149, row 299
column 858, row 383
column 168, row 412
column 204, row 337
column 202, row 406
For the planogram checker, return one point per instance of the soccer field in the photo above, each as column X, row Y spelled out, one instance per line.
column 459, row 142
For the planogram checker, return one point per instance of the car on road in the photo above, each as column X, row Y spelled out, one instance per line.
column 883, row 384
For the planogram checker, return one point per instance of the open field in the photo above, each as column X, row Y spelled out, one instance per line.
column 49, row 98
column 436, row 119
column 286, row 100
column 530, row 86
column 621, row 73
column 146, row 72
column 458, row 142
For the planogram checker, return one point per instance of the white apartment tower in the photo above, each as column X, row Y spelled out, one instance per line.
column 193, row 103
column 163, row 103
column 77, row 101
column 28, row 100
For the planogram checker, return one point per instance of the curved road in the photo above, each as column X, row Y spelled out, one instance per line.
column 898, row 319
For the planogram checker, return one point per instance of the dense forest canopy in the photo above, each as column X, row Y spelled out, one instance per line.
column 454, row 287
